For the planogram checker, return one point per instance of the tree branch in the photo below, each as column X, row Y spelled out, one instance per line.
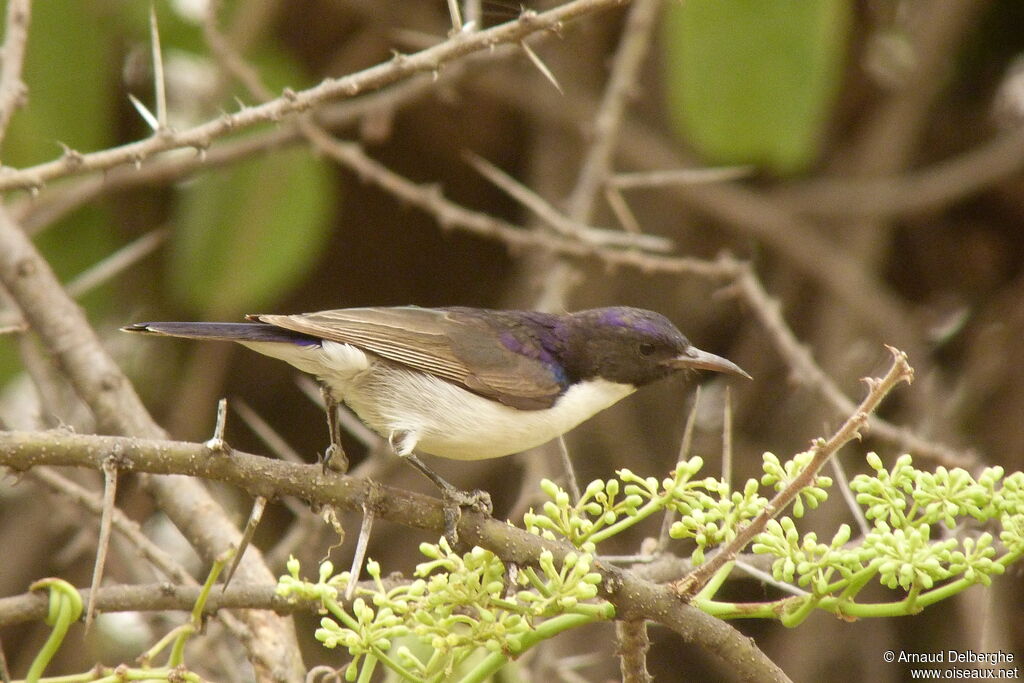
column 66, row 334
column 292, row 102
column 634, row 598
column 13, row 91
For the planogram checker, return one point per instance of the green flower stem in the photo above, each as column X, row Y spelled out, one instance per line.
column 742, row 610
column 910, row 603
column 537, row 583
column 642, row 513
column 168, row 638
column 393, row 665
column 716, row 581
column 376, row 653
column 65, row 608
column 517, row 645
column 509, row 606
column 797, row 616
column 340, row 614
column 856, row 583
column 177, row 657
column 599, row 611
column 204, row 594
column 842, row 605
column 367, row 669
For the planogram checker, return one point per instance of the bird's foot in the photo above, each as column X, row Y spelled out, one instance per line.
column 454, row 501
column 334, row 459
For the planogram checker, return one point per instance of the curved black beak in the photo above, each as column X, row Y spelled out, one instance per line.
column 695, row 359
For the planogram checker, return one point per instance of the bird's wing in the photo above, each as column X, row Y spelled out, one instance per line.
column 428, row 340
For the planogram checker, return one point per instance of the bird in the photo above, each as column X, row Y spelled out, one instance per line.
column 465, row 383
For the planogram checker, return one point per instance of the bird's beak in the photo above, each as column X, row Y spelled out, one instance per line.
column 695, row 359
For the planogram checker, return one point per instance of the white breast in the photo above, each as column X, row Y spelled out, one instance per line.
column 417, row 411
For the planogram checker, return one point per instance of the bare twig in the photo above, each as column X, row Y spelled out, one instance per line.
column 228, row 57
column 679, row 176
column 749, row 213
column 450, row 214
column 633, row 647
column 636, row 38
column 851, row 500
column 292, row 102
column 128, row 528
column 561, row 223
column 64, row 331
column 270, row 438
column 103, row 544
column 159, row 83
column 931, row 188
column 13, row 91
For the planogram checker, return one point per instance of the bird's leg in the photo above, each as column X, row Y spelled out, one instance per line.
column 454, row 499
column 334, row 457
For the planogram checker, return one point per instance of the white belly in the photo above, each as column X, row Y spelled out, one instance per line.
column 417, row 411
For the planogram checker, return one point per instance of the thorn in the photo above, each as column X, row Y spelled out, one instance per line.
column 360, row 554
column 541, row 66
column 217, row 442
column 103, row 543
column 456, row 15
column 158, row 71
column 255, row 515
column 146, row 115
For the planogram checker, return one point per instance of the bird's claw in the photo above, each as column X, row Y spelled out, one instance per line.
column 454, row 500
column 334, row 459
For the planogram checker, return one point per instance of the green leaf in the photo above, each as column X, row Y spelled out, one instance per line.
column 752, row 81
column 248, row 233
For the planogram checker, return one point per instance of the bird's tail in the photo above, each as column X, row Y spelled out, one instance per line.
column 236, row 332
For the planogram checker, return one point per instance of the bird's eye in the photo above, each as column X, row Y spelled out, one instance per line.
column 646, row 349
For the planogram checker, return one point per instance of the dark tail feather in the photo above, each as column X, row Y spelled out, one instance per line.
column 237, row 332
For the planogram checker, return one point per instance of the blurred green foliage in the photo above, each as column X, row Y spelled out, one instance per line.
column 753, row 81
column 246, row 233
column 241, row 235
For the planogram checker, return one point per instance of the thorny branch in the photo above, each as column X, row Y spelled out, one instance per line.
column 776, row 219
column 293, row 102
column 633, row 597
column 13, row 90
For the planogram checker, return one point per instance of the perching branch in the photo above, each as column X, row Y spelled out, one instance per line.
column 634, row 598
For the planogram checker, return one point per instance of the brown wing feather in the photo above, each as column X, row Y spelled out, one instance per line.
column 421, row 338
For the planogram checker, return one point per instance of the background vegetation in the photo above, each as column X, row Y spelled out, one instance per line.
column 882, row 204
